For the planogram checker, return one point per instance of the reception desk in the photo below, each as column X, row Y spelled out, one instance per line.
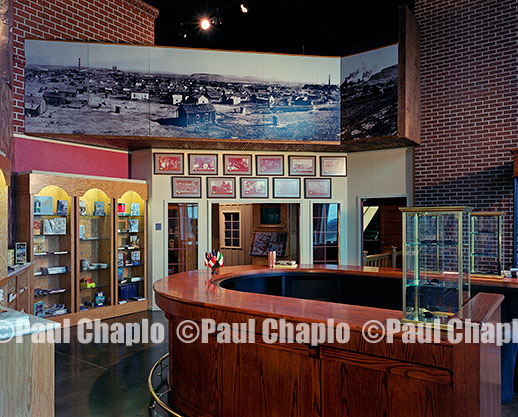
column 329, row 379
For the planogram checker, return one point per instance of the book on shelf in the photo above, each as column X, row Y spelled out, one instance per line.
column 82, row 207
column 137, row 298
column 135, row 279
column 43, row 205
column 48, row 227
column 39, row 309
column 37, row 227
column 121, row 258
column 121, row 209
column 62, row 208
column 120, row 273
column 134, row 241
column 133, row 225
column 135, row 209
column 81, row 231
column 60, row 226
column 135, row 257
column 98, row 208
column 40, row 245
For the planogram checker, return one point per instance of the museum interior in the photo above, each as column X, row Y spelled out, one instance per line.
column 205, row 206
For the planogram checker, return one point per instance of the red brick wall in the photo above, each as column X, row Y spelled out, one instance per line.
column 120, row 21
column 469, row 104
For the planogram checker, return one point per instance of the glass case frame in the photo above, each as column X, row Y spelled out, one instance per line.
column 436, row 263
column 486, row 240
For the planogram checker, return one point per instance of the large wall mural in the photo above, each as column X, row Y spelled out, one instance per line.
column 139, row 91
column 369, row 94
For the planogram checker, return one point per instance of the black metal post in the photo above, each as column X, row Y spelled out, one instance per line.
column 515, row 222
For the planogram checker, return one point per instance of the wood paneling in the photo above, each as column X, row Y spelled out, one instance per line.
column 33, row 183
column 409, row 100
column 27, row 378
column 356, row 378
column 135, row 144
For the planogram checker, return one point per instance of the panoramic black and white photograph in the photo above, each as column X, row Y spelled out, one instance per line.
column 369, row 94
column 123, row 90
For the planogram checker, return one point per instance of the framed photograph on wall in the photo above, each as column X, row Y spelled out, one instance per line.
column 254, row 187
column 269, row 165
column 333, row 166
column 168, row 163
column 302, row 165
column 186, row 187
column 203, row 164
column 317, row 187
column 286, row 188
column 221, row 187
column 237, row 164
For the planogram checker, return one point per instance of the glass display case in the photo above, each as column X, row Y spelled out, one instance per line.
column 131, row 246
column 52, row 252
column 94, row 255
column 436, row 262
column 487, row 256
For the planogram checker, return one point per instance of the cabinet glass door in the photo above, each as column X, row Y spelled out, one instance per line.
column 94, row 255
column 52, row 252
column 182, row 237
column 131, row 246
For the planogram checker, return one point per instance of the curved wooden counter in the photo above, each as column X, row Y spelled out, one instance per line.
column 356, row 378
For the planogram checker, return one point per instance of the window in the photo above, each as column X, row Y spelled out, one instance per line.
column 231, row 230
column 182, row 237
column 326, row 236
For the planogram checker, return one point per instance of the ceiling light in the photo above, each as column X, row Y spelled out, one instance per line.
column 244, row 9
column 205, row 24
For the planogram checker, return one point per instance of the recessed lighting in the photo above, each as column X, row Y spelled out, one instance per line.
column 243, row 8
column 205, row 24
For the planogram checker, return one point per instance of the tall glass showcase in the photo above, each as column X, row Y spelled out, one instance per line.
column 487, row 256
column 436, row 262
column 94, row 257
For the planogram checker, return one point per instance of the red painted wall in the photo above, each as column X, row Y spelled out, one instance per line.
column 56, row 157
column 469, row 105
column 118, row 21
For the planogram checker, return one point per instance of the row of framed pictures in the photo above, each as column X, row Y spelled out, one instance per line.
column 225, row 187
column 207, row 164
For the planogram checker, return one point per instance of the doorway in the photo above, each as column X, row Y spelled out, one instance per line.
column 244, row 233
column 381, row 226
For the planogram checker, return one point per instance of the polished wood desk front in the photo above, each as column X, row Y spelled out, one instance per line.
column 356, row 378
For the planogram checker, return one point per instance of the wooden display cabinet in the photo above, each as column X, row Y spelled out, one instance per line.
column 90, row 246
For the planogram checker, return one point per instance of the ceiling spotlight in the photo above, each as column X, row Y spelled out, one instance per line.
column 244, row 9
column 205, row 24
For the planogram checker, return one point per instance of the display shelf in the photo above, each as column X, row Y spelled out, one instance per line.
column 486, row 244
column 436, row 262
column 90, row 235
column 131, row 238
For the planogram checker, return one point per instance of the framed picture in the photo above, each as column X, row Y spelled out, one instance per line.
column 221, row 187
column 203, row 164
column 254, row 187
column 286, row 187
column 333, row 166
column 317, row 188
column 237, row 164
column 169, row 163
column 302, row 165
column 269, row 165
column 185, row 187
